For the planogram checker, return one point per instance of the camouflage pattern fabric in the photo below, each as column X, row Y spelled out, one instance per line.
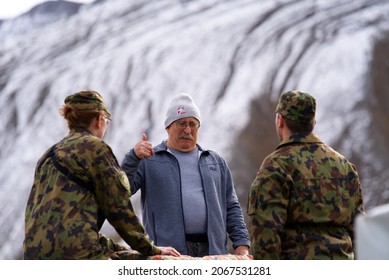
column 63, row 219
column 297, row 106
column 303, row 202
column 87, row 101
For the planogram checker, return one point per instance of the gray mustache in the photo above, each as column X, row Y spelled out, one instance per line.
column 185, row 136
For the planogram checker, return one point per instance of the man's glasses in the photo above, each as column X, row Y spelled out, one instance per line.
column 184, row 124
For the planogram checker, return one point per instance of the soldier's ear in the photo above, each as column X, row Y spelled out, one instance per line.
column 280, row 121
column 99, row 121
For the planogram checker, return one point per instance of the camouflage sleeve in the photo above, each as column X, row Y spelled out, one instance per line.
column 359, row 207
column 111, row 244
column 267, row 211
column 113, row 194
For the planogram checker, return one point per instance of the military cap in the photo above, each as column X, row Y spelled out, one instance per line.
column 297, row 106
column 88, row 101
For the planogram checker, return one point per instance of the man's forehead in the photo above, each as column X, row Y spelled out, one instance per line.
column 188, row 119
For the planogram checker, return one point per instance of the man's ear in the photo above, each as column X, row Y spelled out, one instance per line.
column 281, row 121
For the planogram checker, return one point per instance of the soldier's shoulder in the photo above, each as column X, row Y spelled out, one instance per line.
column 87, row 144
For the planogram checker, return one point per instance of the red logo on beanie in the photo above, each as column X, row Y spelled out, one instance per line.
column 181, row 110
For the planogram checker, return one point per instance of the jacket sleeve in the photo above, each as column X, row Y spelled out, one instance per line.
column 130, row 166
column 236, row 226
column 267, row 212
column 113, row 195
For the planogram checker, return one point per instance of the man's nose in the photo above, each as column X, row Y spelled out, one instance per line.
column 187, row 129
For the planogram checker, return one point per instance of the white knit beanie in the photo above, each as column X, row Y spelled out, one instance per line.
column 181, row 106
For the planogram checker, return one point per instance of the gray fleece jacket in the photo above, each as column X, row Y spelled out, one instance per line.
column 159, row 180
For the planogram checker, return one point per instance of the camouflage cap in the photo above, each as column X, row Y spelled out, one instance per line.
column 87, row 100
column 297, row 106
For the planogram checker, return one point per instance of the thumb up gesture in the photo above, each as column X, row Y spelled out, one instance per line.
column 143, row 149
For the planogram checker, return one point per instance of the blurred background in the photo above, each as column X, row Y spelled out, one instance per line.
column 233, row 56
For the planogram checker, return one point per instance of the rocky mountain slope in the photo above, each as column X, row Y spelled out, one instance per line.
column 233, row 56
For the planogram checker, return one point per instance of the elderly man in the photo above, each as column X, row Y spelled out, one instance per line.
column 187, row 193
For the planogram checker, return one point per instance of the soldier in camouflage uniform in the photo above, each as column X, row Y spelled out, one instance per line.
column 78, row 184
column 305, row 196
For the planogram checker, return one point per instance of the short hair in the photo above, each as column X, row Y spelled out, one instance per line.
column 296, row 127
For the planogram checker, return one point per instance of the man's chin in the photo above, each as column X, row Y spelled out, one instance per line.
column 187, row 145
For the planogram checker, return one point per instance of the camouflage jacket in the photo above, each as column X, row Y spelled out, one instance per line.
column 63, row 218
column 303, row 202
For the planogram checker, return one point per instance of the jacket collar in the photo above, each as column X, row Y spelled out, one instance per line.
column 80, row 130
column 305, row 137
column 162, row 147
